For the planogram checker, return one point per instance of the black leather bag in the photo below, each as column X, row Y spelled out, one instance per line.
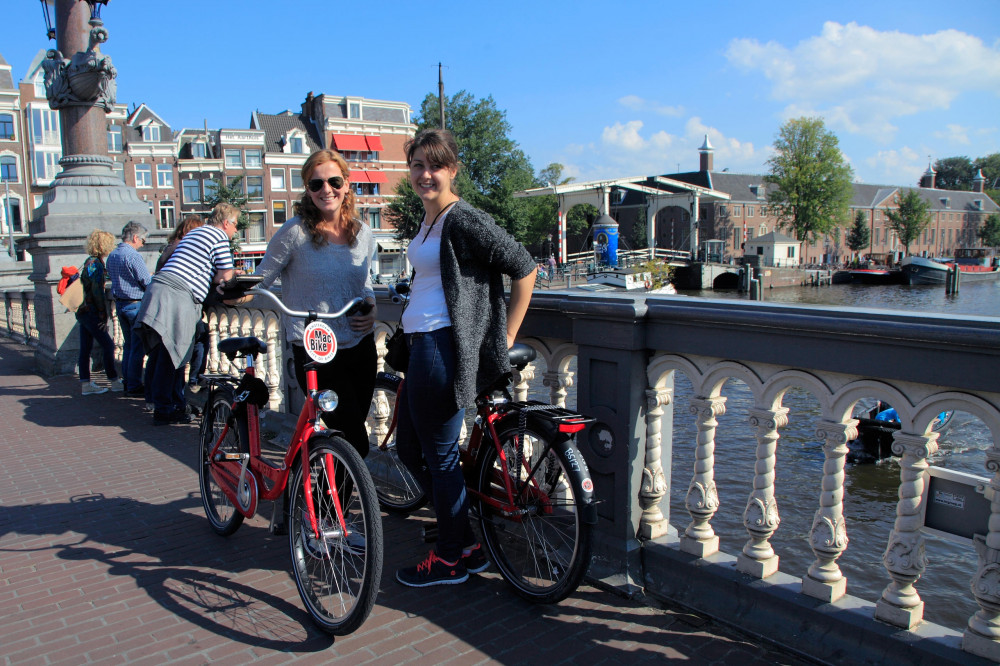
column 397, row 353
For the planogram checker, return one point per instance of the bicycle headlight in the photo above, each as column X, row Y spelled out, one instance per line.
column 327, row 401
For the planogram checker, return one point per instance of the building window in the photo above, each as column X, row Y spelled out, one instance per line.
column 8, row 169
column 296, row 179
column 115, row 139
column 279, row 212
column 253, row 159
column 45, row 128
column 736, row 211
column 366, row 189
column 143, row 175
column 375, row 218
column 736, row 238
column 192, row 191
column 722, row 210
column 749, row 211
column 14, row 206
column 198, row 150
column 164, row 175
column 763, row 230
column 355, row 110
column 791, row 252
column 211, row 189
column 238, row 183
column 255, row 188
column 298, row 145
column 277, row 179
column 254, row 233
column 119, row 170
column 151, row 133
column 233, row 158
column 46, row 165
column 6, row 126
column 166, row 214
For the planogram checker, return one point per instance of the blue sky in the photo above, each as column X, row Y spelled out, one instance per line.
column 607, row 89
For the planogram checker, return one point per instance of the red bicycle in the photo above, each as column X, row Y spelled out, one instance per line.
column 333, row 520
column 527, row 482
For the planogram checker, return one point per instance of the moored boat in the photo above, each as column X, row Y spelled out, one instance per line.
column 975, row 264
column 876, row 276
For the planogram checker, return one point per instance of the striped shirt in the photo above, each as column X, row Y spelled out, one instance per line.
column 198, row 256
column 129, row 274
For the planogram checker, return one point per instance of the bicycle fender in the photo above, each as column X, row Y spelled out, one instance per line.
column 585, row 487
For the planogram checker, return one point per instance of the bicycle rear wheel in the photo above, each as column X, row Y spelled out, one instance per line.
column 337, row 574
column 397, row 490
column 543, row 549
column 222, row 515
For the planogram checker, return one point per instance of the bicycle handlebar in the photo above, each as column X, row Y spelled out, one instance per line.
column 355, row 305
column 400, row 292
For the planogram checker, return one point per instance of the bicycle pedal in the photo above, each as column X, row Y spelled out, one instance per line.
column 430, row 533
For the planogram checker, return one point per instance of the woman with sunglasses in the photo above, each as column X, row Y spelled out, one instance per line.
column 458, row 329
column 323, row 258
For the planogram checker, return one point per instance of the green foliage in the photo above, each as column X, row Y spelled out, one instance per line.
column 230, row 193
column 580, row 217
column 543, row 212
column 493, row 166
column 661, row 272
column 405, row 211
column 909, row 218
column 638, row 237
column 989, row 233
column 860, row 235
column 954, row 173
column 813, row 182
column 990, row 166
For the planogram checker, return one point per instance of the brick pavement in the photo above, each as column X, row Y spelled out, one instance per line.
column 105, row 557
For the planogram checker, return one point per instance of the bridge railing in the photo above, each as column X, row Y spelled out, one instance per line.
column 19, row 316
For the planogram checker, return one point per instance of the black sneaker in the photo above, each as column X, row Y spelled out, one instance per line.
column 433, row 571
column 475, row 560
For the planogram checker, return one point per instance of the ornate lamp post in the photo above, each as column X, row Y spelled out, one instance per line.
column 87, row 194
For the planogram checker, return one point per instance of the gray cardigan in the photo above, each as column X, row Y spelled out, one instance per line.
column 475, row 254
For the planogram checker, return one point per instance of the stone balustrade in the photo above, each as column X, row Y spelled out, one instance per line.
column 19, row 316
column 618, row 357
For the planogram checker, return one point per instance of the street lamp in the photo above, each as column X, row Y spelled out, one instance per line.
column 50, row 31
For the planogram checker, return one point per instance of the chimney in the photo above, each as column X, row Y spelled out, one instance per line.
column 705, row 155
column 979, row 182
column 927, row 180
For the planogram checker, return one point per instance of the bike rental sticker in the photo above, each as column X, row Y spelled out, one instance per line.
column 319, row 341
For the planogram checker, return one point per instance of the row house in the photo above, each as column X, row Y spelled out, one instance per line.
column 14, row 189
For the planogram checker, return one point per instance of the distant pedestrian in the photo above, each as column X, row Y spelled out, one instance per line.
column 129, row 279
column 171, row 308
column 92, row 315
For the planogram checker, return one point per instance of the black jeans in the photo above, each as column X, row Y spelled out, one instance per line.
column 93, row 328
column 351, row 374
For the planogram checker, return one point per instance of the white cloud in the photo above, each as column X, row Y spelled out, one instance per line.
column 625, row 137
column 860, row 78
column 954, row 134
column 895, row 166
column 636, row 103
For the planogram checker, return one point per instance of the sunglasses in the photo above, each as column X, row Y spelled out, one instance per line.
column 316, row 184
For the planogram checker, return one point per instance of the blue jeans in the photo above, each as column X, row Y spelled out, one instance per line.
column 92, row 328
column 167, row 382
column 427, row 434
column 196, row 365
column 132, row 350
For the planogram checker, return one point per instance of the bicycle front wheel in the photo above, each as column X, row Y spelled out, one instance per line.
column 397, row 490
column 222, row 515
column 542, row 546
column 337, row 572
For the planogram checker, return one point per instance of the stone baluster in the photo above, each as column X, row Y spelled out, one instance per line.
column 273, row 363
column 702, row 500
column 521, row 380
column 558, row 383
column 828, row 536
column 982, row 636
column 761, row 515
column 28, row 317
column 213, row 342
column 225, row 322
column 652, row 524
column 904, row 556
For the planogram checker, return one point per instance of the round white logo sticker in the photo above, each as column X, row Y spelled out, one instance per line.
column 319, row 341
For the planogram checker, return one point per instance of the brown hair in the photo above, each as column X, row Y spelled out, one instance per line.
column 439, row 147
column 306, row 209
column 190, row 222
column 100, row 243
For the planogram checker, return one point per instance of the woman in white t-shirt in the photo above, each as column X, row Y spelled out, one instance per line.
column 458, row 329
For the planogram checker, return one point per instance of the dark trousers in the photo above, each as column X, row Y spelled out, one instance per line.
column 132, row 350
column 93, row 328
column 196, row 365
column 167, row 383
column 351, row 374
column 427, row 436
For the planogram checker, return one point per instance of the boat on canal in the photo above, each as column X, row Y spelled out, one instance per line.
column 975, row 263
column 876, row 276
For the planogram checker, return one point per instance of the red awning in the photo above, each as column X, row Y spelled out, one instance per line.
column 377, row 177
column 374, row 143
column 350, row 142
column 359, row 177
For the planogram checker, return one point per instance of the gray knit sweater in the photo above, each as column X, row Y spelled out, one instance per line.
column 475, row 254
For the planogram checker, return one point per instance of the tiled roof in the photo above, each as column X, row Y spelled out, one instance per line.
column 774, row 237
column 276, row 126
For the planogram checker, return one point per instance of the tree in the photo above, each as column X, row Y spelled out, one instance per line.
column 911, row 216
column 231, row 193
column 990, row 166
column 813, row 182
column 860, row 236
column 543, row 211
column 989, row 233
column 405, row 211
column 954, row 173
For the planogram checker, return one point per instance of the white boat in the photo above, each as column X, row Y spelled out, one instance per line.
column 628, row 279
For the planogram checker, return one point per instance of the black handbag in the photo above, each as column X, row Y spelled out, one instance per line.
column 397, row 353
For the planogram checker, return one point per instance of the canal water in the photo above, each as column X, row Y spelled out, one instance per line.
column 870, row 490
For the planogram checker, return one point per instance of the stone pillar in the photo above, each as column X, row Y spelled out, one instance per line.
column 982, row 636
column 904, row 556
column 702, row 499
column 86, row 195
column 659, row 404
column 558, row 384
column 761, row 515
column 828, row 536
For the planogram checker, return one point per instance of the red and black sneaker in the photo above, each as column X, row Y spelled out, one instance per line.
column 433, row 571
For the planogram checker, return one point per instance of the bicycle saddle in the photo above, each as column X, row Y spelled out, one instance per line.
column 250, row 346
column 521, row 355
